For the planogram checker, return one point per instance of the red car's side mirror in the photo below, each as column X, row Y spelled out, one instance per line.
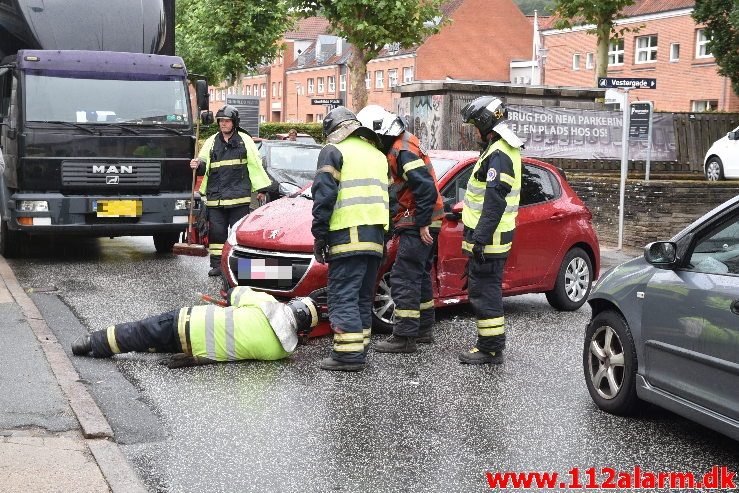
column 456, row 213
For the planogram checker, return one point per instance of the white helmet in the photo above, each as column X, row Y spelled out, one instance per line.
column 381, row 121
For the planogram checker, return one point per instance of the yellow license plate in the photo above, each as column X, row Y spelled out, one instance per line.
column 118, row 208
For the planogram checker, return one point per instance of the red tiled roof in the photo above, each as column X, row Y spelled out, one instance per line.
column 640, row 7
column 308, row 28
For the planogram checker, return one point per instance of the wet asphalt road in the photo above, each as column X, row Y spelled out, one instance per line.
column 421, row 422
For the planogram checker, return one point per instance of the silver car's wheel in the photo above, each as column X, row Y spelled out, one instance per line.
column 606, row 367
column 714, row 169
column 609, row 363
column 573, row 282
column 383, row 309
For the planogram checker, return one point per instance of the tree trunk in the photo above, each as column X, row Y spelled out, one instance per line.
column 358, row 72
column 601, row 64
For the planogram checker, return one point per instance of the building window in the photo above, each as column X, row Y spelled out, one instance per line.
column 616, row 52
column 368, row 80
column 342, row 82
column 310, row 86
column 407, row 75
column 319, row 82
column 379, row 79
column 248, row 90
column 392, row 77
column 279, row 89
column 646, row 49
column 704, row 105
column 319, row 118
column 701, row 44
column 576, row 61
column 255, row 89
column 262, row 118
column 675, row 52
column 274, row 89
column 264, row 90
column 331, row 80
column 589, row 61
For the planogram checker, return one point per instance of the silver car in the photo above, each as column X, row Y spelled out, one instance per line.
column 665, row 327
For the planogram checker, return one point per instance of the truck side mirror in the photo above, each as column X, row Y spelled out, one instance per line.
column 206, row 118
column 201, row 93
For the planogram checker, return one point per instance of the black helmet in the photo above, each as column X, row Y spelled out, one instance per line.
column 484, row 113
column 306, row 314
column 338, row 115
column 229, row 112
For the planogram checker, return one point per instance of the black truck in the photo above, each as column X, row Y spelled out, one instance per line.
column 96, row 124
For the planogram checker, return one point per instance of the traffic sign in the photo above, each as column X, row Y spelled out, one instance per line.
column 626, row 83
column 640, row 118
column 334, row 102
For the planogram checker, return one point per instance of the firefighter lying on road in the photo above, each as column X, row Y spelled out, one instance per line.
column 255, row 326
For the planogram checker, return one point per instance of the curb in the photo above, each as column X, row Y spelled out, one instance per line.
column 95, row 428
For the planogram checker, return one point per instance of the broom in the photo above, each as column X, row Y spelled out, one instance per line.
column 192, row 249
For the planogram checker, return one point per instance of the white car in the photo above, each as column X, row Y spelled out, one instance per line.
column 722, row 159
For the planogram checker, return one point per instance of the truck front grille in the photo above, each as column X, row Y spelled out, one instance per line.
column 119, row 175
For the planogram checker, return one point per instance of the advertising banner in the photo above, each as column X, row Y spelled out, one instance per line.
column 568, row 133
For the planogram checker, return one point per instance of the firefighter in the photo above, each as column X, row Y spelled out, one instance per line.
column 233, row 168
column 489, row 217
column 416, row 222
column 254, row 326
column 350, row 218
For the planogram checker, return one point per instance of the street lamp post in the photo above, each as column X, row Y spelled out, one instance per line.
column 298, row 88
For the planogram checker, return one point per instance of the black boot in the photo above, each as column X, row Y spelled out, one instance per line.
column 333, row 365
column 215, row 271
column 396, row 344
column 426, row 336
column 477, row 357
column 82, row 346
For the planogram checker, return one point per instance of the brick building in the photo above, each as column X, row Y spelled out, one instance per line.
column 481, row 41
column 668, row 46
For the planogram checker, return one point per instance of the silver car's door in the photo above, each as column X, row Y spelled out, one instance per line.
column 691, row 322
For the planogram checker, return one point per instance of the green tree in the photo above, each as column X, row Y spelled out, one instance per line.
column 371, row 24
column 544, row 7
column 225, row 39
column 721, row 18
column 602, row 13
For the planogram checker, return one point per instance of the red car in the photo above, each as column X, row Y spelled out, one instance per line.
column 555, row 250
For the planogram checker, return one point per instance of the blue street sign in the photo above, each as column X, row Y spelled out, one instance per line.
column 626, row 83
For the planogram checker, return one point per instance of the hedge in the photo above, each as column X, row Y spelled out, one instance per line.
column 268, row 130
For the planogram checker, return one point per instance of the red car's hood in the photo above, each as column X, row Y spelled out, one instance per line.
column 282, row 225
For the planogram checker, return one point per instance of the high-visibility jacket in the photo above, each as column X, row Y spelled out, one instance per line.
column 363, row 196
column 406, row 215
column 229, row 182
column 502, row 238
column 256, row 326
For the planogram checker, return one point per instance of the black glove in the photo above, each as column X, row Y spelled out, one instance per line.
column 478, row 252
column 320, row 250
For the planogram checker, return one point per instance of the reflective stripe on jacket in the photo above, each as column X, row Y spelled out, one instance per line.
column 363, row 196
column 474, row 198
column 232, row 333
column 406, row 216
column 232, row 180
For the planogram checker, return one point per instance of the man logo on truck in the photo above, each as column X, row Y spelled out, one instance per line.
column 112, row 169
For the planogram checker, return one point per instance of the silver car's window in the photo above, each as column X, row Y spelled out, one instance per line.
column 294, row 158
column 718, row 252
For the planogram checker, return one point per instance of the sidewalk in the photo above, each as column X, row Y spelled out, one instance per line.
column 53, row 436
column 610, row 256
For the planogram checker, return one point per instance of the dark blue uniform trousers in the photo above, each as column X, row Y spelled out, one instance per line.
column 410, row 281
column 486, row 297
column 156, row 334
column 351, row 292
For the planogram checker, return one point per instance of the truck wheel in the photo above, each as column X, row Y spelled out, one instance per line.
column 163, row 242
column 9, row 241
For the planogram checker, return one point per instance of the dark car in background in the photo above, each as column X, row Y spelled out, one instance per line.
column 555, row 251
column 665, row 326
column 291, row 165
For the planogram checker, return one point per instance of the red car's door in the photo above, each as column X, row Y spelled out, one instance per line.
column 541, row 229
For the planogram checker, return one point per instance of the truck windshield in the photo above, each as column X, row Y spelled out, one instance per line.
column 99, row 101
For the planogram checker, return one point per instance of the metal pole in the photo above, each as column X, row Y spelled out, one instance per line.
column 649, row 141
column 624, row 165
